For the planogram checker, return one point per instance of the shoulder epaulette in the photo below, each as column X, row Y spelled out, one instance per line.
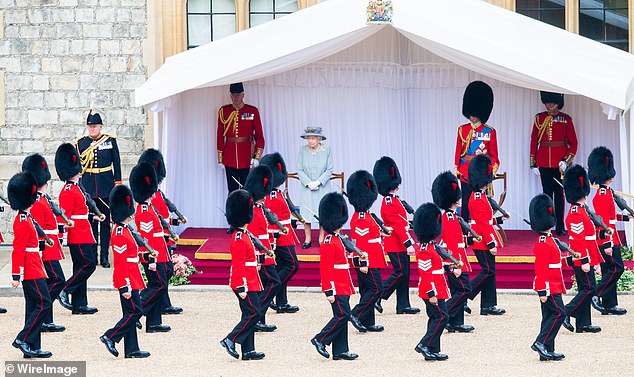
column 362, row 215
column 328, row 238
column 144, row 207
column 573, row 209
column 388, row 200
column 450, row 215
column 488, row 125
column 23, row 217
column 68, row 186
column 477, row 195
column 238, row 235
column 542, row 238
column 602, row 191
column 119, row 230
column 273, row 194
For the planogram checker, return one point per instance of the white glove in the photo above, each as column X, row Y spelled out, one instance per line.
column 535, row 171
column 314, row 185
column 563, row 166
column 254, row 162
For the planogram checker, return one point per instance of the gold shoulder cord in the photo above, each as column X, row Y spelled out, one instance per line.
column 465, row 141
column 87, row 157
column 233, row 119
column 541, row 128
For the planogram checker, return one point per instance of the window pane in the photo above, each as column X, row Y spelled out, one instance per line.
column 591, row 4
column 591, row 24
column 223, row 25
column 199, row 29
column 555, row 18
column 285, row 6
column 545, row 4
column 223, row 6
column 616, row 4
column 199, row 6
column 613, row 33
column 261, row 6
column 259, row 19
column 548, row 11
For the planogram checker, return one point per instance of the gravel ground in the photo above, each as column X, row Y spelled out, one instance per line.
column 500, row 346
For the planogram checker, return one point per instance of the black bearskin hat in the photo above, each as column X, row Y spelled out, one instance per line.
column 576, row 184
column 480, row 172
column 22, row 191
column 386, row 175
column 278, row 167
column 541, row 213
column 601, row 165
column 259, row 182
column 477, row 101
column 557, row 98
column 94, row 119
column 67, row 162
column 362, row 191
column 143, row 182
column 239, row 208
column 446, row 190
column 427, row 222
column 155, row 159
column 121, row 203
column 37, row 165
column 333, row 212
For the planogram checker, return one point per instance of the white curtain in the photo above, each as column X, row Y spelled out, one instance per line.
column 384, row 96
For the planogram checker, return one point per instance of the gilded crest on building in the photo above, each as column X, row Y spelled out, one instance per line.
column 380, row 12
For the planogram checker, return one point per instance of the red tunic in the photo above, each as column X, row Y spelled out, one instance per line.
column 482, row 221
column 149, row 226
column 73, row 202
column 394, row 216
column 159, row 203
column 43, row 214
column 243, row 276
column 454, row 240
column 259, row 227
column 277, row 204
column 433, row 281
column 558, row 140
column 334, row 268
column 472, row 142
column 603, row 203
column 237, row 131
column 549, row 279
column 582, row 234
column 367, row 234
column 25, row 258
column 125, row 252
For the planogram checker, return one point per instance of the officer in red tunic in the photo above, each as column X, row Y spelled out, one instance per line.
column 475, row 137
column 239, row 137
column 366, row 233
column 244, row 278
column 482, row 221
column 336, row 282
column 26, row 265
column 83, row 249
column 399, row 245
column 43, row 214
column 552, row 149
column 126, row 276
column 432, row 285
column 447, row 195
column 549, row 280
column 583, row 239
column 259, row 184
column 601, row 171
column 285, row 256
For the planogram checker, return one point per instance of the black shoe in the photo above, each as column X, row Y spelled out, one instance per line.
column 321, row 348
column 567, row 325
column 357, row 324
column 272, row 306
column 345, row 356
column 230, row 347
column 85, row 310
column 375, row 328
column 588, row 328
column 63, row 300
column 466, row 308
column 287, row 309
column 172, row 310
column 51, row 327
column 561, row 232
column 378, row 307
column 39, row 354
column 557, row 356
column 427, row 354
column 616, row 311
column 540, row 348
column 263, row 327
column 24, row 347
column 105, row 264
column 3, row 310
column 596, row 304
column 492, row 310
column 408, row 310
column 157, row 328
column 253, row 355
column 460, row 328
column 137, row 355
column 138, row 325
column 440, row 356
column 109, row 345
column 306, row 245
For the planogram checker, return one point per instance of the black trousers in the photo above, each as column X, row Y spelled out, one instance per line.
column 370, row 288
column 553, row 314
column 101, row 229
column 38, row 304
column 55, row 284
column 438, row 318
column 611, row 271
column 126, row 329
column 84, row 258
column 466, row 194
column 271, row 285
column 243, row 333
column 555, row 191
column 287, row 267
column 152, row 297
column 485, row 281
column 336, row 330
column 239, row 174
column 398, row 281
column 460, row 288
column 579, row 306
column 169, row 272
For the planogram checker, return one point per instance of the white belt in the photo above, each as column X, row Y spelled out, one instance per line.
column 438, row 272
column 554, row 265
column 375, row 240
column 344, row 266
column 251, row 264
column 613, row 221
column 79, row 217
column 461, row 244
column 285, row 222
column 591, row 238
column 263, row 237
column 132, row 260
column 46, row 231
column 158, row 234
column 491, row 222
column 32, row 249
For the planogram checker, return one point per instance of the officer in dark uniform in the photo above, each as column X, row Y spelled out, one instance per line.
column 101, row 169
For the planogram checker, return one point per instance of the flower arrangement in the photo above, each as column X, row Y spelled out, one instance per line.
column 183, row 268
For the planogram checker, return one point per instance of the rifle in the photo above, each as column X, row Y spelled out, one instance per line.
column 172, row 208
column 5, row 200
column 350, row 246
column 292, row 208
column 466, row 228
column 258, row 244
column 40, row 231
column 92, row 206
column 384, row 229
column 57, row 210
column 564, row 247
column 596, row 219
column 444, row 254
column 496, row 207
column 407, row 207
column 273, row 219
column 140, row 240
column 164, row 224
column 622, row 204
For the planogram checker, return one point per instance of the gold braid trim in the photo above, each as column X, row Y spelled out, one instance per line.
column 465, row 141
column 87, row 157
column 541, row 128
column 233, row 119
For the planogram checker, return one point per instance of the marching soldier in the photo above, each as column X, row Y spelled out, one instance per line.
column 601, row 171
column 43, row 214
column 101, row 171
column 336, row 282
column 244, row 279
column 26, row 265
column 239, row 137
column 475, row 137
column 81, row 242
column 126, row 277
column 399, row 245
column 552, row 149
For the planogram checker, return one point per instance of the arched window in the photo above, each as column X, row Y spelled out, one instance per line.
column 549, row 11
column 209, row 20
column 605, row 21
column 261, row 11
